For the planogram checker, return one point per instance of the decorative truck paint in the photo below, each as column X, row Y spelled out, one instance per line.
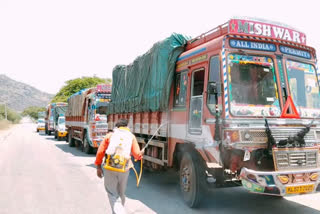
column 86, row 121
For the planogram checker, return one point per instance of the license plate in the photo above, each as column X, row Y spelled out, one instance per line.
column 300, row 189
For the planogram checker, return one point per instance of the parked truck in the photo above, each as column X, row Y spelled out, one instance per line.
column 53, row 111
column 49, row 119
column 41, row 121
column 86, row 120
column 58, row 114
column 238, row 105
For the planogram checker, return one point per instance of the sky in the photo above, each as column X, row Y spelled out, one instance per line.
column 45, row 43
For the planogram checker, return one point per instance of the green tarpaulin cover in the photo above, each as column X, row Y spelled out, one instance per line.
column 145, row 84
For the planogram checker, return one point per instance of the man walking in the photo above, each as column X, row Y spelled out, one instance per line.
column 117, row 147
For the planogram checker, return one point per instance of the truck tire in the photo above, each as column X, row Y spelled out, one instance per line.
column 191, row 179
column 71, row 141
column 86, row 146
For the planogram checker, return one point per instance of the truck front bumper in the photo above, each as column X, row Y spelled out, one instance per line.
column 281, row 183
column 62, row 134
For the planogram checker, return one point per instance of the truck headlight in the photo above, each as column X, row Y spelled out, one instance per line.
column 232, row 135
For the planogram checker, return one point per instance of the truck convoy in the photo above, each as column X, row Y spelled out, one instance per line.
column 53, row 111
column 238, row 105
column 86, row 120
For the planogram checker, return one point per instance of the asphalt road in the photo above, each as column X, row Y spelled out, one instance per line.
column 41, row 175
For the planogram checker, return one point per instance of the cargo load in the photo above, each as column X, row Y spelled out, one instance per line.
column 145, row 84
column 41, row 114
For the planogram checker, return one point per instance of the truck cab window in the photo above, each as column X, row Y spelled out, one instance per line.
column 195, row 111
column 180, row 91
column 214, row 76
column 198, row 83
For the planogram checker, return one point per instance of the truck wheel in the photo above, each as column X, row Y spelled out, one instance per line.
column 71, row 141
column 191, row 178
column 86, row 146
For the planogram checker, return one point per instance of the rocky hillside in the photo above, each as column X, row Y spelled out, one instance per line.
column 20, row 95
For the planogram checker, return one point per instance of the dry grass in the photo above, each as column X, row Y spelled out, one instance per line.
column 4, row 124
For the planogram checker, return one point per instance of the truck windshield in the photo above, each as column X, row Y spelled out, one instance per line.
column 252, row 86
column 40, row 120
column 62, row 120
column 304, row 88
column 101, row 107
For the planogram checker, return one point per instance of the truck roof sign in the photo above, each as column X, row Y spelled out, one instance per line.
column 234, row 43
column 295, row 52
column 104, row 88
column 271, row 30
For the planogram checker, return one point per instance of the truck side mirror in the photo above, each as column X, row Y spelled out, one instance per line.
column 213, row 88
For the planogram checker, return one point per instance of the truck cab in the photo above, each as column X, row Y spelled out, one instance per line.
column 97, row 119
column 40, row 124
column 61, row 132
column 250, row 96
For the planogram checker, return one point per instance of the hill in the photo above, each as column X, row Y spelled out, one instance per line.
column 20, row 95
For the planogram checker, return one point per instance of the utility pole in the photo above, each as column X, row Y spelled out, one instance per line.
column 5, row 111
column 5, row 103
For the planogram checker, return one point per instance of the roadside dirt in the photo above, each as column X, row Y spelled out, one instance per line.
column 4, row 125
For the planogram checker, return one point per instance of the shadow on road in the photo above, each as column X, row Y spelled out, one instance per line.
column 92, row 165
column 51, row 139
column 76, row 151
column 168, row 198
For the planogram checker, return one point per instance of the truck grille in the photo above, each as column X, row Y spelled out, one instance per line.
column 278, row 134
column 295, row 158
column 283, row 134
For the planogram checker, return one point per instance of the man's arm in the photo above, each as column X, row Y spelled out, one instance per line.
column 102, row 150
column 135, row 150
column 100, row 154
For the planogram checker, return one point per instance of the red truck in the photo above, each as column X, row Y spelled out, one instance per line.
column 238, row 105
column 86, row 120
column 49, row 119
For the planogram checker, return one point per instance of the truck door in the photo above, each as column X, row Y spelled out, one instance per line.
column 196, row 101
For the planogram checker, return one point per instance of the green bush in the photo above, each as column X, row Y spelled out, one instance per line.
column 12, row 115
column 32, row 111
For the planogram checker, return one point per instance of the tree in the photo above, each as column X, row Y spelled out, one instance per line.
column 11, row 114
column 32, row 111
column 75, row 85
